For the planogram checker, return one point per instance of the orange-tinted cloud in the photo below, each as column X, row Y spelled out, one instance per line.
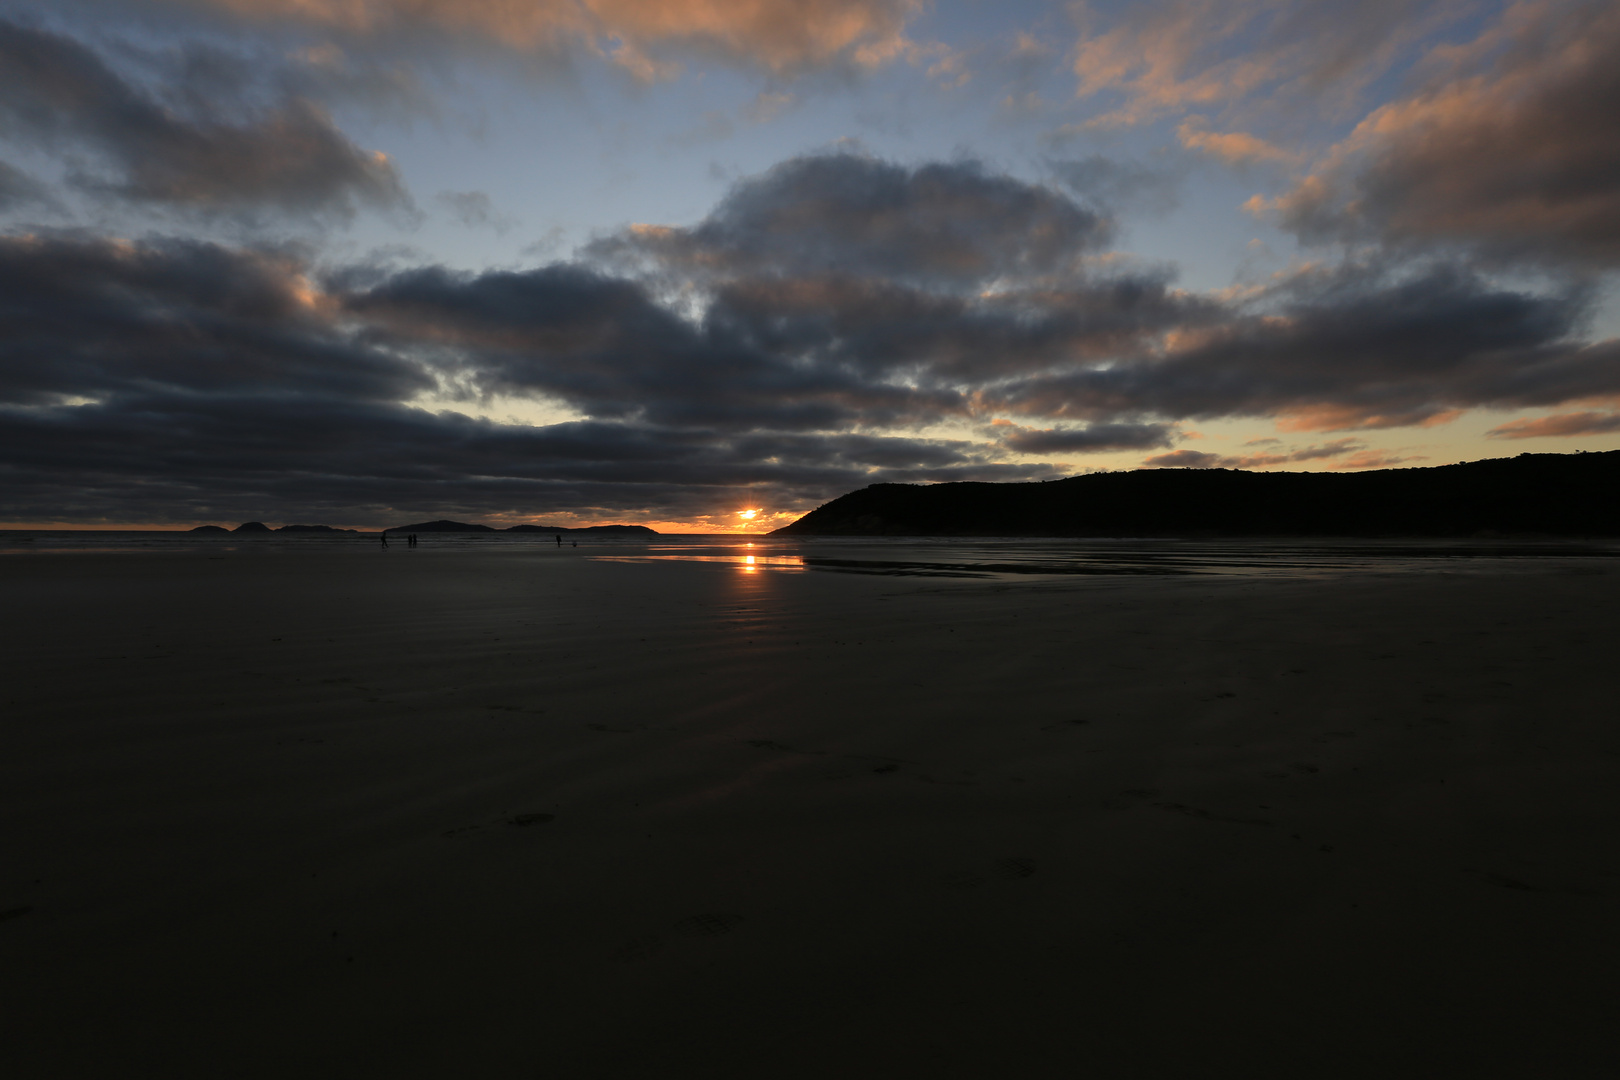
column 1359, row 418
column 1198, row 459
column 1376, row 459
column 1232, row 147
column 1512, row 150
column 781, row 36
column 1561, row 425
column 1168, row 57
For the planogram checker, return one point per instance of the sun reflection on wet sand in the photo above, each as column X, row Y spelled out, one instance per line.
column 748, row 564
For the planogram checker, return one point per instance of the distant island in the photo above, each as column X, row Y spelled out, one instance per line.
column 261, row 527
column 1555, row 495
column 440, row 526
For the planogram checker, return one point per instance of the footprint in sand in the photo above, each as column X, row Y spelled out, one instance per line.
column 530, row 819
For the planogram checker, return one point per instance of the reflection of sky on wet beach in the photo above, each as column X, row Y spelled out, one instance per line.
column 1033, row 557
column 1001, row 558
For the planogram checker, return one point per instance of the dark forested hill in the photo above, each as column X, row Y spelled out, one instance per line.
column 1532, row 494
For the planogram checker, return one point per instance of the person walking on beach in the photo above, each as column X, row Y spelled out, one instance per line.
column 559, row 541
column 384, row 535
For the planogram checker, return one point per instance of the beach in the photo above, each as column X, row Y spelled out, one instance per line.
column 526, row 812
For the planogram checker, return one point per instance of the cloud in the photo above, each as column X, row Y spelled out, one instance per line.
column 1187, row 459
column 938, row 225
column 17, row 189
column 57, row 94
column 647, row 37
column 1510, row 151
column 1377, row 459
column 796, row 343
column 176, row 381
column 1563, row 425
column 1117, row 186
column 103, row 319
column 1153, row 60
column 1090, row 439
column 1234, row 147
column 1352, row 348
column 474, row 209
column 1198, row 459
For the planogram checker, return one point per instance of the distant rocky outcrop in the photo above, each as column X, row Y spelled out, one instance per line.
column 252, row 527
column 1532, row 494
column 314, row 529
column 441, row 525
column 212, row 530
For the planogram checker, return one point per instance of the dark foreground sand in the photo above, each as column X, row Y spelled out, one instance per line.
column 274, row 815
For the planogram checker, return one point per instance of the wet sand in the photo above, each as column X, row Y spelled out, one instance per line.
column 520, row 813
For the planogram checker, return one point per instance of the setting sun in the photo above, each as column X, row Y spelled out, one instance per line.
column 747, row 515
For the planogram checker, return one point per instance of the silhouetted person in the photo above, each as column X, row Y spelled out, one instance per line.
column 385, row 538
column 559, row 541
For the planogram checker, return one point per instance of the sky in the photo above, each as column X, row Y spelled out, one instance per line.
column 671, row 262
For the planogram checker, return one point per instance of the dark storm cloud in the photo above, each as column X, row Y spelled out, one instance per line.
column 785, row 354
column 173, row 380
column 1351, row 349
column 1092, row 438
column 604, row 346
column 946, row 340
column 17, row 188
column 230, row 383
column 91, row 318
column 179, row 457
column 1512, row 153
column 953, row 225
column 181, row 151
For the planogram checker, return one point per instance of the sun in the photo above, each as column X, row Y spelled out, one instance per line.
column 747, row 515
